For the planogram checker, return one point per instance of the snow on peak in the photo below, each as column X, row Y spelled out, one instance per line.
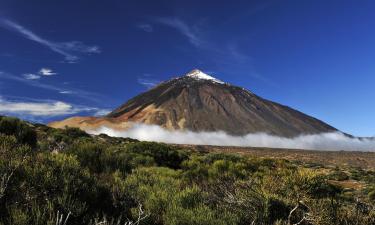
column 199, row 75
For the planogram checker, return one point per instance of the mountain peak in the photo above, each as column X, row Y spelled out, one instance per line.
column 201, row 103
column 199, row 75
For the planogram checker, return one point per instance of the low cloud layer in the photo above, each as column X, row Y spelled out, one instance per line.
column 325, row 141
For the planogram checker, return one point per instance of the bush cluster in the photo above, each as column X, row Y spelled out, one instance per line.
column 69, row 175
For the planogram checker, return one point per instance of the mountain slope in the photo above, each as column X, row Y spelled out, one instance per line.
column 199, row 102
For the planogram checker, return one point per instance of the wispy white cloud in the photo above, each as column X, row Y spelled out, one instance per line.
column 30, row 76
column 44, row 108
column 79, row 93
column 66, row 49
column 102, row 112
column 190, row 32
column 80, row 47
column 42, row 72
column 145, row 27
column 234, row 51
column 46, row 72
column 247, row 13
column 66, row 92
column 30, row 82
column 228, row 56
column 147, row 82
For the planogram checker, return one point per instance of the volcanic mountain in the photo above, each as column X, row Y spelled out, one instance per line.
column 199, row 102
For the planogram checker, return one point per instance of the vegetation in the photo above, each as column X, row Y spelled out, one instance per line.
column 52, row 176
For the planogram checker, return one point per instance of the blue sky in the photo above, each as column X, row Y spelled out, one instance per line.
column 81, row 57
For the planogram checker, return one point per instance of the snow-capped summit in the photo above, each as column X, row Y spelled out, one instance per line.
column 199, row 75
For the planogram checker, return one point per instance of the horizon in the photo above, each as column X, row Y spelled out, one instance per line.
column 313, row 56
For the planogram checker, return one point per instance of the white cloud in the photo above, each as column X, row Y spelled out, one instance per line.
column 325, row 141
column 145, row 27
column 44, row 108
column 46, row 72
column 66, row 49
column 189, row 32
column 36, row 83
column 229, row 56
column 37, row 109
column 43, row 72
column 102, row 112
column 148, row 83
column 80, row 47
column 30, row 76
column 66, row 92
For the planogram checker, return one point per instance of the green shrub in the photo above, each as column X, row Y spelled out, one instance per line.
column 89, row 155
column 339, row 176
column 57, row 182
column 163, row 154
column 199, row 215
column 194, row 169
column 371, row 195
column 74, row 132
column 100, row 158
column 12, row 157
column 24, row 133
column 277, row 210
column 154, row 188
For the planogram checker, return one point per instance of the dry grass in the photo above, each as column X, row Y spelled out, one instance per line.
column 349, row 184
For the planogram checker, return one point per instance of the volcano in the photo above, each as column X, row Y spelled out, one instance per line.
column 201, row 103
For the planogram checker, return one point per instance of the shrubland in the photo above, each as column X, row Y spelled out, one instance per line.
column 55, row 176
